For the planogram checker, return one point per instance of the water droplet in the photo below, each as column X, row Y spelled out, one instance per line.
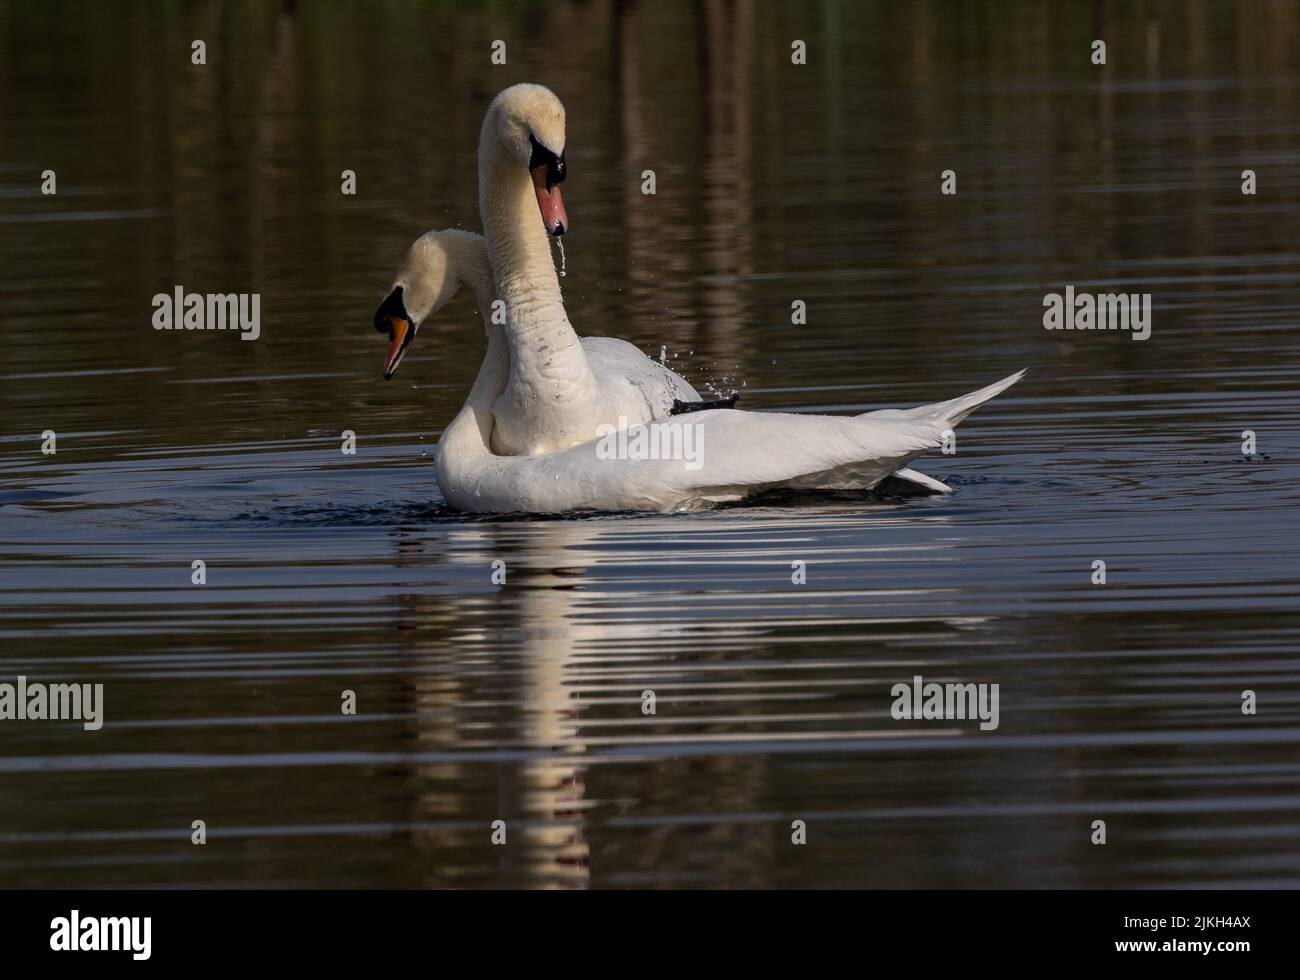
column 559, row 243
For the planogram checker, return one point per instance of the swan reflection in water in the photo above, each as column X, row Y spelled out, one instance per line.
column 525, row 690
column 522, row 701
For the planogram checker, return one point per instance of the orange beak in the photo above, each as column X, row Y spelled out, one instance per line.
column 400, row 337
column 551, row 204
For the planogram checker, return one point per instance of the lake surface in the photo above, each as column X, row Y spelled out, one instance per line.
column 522, row 702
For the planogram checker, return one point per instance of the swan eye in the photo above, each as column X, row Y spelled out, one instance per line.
column 393, row 305
column 542, row 157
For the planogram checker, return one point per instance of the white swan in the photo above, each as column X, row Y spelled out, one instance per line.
column 559, row 390
column 725, row 455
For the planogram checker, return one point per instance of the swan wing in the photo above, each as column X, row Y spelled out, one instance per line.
column 709, row 457
column 724, row 455
column 633, row 385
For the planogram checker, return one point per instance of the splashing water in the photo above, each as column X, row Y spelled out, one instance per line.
column 663, row 355
column 560, row 245
column 726, row 385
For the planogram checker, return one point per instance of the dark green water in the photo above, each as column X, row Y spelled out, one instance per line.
column 776, row 182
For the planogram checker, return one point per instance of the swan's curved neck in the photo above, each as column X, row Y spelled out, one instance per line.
column 467, row 256
column 553, row 393
column 469, row 434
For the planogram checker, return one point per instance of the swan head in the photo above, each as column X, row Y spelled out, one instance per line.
column 529, row 122
column 435, row 267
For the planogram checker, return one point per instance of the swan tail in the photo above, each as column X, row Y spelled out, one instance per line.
column 958, row 408
column 952, row 411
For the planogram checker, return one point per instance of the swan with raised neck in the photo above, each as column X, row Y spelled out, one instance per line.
column 559, row 390
column 552, row 398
